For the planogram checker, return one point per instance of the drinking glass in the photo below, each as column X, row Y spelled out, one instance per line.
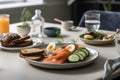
column 4, row 24
column 92, row 22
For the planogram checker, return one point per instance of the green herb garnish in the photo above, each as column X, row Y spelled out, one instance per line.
column 26, row 16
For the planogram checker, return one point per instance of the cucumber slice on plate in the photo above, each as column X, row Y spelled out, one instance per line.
column 82, row 53
column 85, row 50
column 73, row 58
column 76, row 51
column 80, row 56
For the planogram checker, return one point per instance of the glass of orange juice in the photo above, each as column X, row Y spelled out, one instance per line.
column 4, row 23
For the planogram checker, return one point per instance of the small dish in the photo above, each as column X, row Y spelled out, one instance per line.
column 52, row 31
column 36, row 42
column 96, row 42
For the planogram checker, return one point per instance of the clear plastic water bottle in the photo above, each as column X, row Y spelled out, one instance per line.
column 37, row 24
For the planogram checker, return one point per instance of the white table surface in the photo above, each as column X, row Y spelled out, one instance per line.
column 10, row 62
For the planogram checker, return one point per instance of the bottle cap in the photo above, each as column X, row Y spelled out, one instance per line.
column 37, row 11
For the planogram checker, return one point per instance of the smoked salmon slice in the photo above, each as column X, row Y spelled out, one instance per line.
column 59, row 58
column 63, row 54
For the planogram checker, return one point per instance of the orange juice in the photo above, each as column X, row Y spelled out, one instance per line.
column 4, row 23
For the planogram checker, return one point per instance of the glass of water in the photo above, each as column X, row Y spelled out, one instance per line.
column 92, row 22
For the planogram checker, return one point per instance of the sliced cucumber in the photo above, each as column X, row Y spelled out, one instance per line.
column 85, row 50
column 73, row 58
column 76, row 51
column 79, row 49
column 80, row 56
column 82, row 53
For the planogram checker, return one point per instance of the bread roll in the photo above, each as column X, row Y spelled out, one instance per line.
column 6, row 40
column 14, row 40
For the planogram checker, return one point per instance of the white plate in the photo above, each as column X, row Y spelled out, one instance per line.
column 36, row 42
column 93, row 56
column 96, row 42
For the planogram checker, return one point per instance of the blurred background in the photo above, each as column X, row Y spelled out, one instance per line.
column 62, row 9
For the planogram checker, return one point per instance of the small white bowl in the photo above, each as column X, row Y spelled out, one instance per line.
column 23, row 31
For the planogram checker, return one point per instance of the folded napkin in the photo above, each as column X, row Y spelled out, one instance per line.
column 110, row 67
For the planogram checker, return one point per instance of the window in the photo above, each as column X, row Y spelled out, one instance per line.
column 19, row 3
column 9, row 1
column 12, row 1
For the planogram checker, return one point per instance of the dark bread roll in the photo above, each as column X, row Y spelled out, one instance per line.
column 24, row 43
column 15, row 40
column 5, row 41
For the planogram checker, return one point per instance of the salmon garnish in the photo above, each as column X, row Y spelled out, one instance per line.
column 59, row 58
column 63, row 54
column 57, row 51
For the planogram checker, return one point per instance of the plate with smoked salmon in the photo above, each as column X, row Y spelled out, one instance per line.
column 59, row 56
